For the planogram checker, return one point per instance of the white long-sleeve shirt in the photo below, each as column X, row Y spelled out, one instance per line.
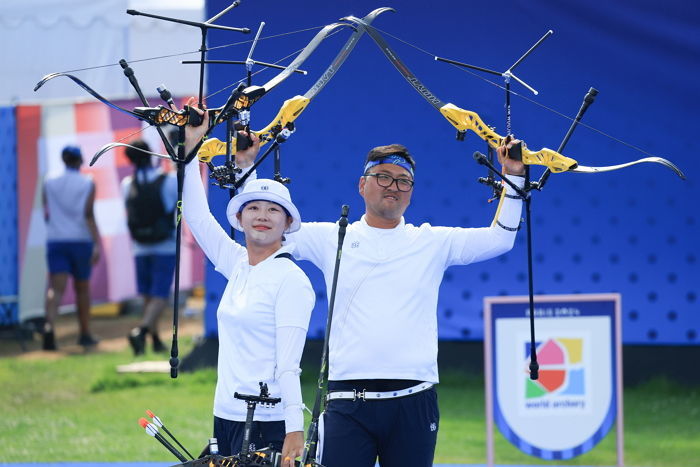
column 385, row 315
column 263, row 317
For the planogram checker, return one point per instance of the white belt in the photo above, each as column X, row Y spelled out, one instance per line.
column 368, row 395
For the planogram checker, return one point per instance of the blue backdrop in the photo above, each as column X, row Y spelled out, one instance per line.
column 633, row 231
column 8, row 219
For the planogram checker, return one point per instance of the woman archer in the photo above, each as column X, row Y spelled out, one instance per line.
column 264, row 310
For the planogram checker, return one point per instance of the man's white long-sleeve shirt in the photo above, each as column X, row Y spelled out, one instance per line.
column 385, row 315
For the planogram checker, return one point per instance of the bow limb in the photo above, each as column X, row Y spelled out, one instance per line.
column 240, row 102
column 108, row 147
column 152, row 115
column 90, row 91
column 303, row 55
column 292, row 108
column 609, row 168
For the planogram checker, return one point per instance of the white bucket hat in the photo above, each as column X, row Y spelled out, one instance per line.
column 265, row 190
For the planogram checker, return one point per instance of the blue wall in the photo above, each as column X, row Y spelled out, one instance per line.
column 8, row 218
column 633, row 231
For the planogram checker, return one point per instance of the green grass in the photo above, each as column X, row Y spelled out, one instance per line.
column 78, row 408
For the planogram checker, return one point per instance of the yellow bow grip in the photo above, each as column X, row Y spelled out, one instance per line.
column 466, row 120
column 289, row 111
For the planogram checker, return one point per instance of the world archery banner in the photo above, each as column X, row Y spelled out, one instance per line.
column 577, row 397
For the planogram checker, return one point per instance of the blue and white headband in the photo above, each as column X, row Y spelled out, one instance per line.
column 395, row 159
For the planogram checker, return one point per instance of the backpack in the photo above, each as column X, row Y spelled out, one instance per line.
column 146, row 216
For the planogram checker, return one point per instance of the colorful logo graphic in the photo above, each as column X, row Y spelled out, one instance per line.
column 561, row 369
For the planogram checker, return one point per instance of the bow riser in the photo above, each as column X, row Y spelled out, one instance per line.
column 465, row 120
column 289, row 112
column 90, row 91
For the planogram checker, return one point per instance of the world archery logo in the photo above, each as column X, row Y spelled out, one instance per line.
column 561, row 382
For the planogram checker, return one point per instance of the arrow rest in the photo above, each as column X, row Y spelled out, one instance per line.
column 225, row 176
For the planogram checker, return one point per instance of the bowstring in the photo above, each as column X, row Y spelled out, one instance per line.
column 181, row 54
column 528, row 99
column 139, row 131
column 265, row 68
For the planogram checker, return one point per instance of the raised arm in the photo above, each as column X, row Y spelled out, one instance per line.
column 466, row 246
column 221, row 250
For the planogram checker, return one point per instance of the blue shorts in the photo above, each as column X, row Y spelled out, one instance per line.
column 229, row 435
column 154, row 274
column 70, row 258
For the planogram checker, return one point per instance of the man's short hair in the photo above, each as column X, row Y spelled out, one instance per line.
column 138, row 158
column 383, row 151
column 72, row 156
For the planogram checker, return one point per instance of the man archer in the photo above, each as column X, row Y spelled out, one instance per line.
column 382, row 401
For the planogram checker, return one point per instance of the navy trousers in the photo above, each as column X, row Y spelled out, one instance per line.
column 400, row 432
column 229, row 435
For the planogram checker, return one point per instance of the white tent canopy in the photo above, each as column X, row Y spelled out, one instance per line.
column 46, row 36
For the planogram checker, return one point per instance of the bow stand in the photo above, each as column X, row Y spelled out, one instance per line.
column 310, row 449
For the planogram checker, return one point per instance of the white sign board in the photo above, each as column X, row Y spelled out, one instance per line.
column 578, row 395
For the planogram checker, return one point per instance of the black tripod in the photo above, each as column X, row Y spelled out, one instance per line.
column 266, row 456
